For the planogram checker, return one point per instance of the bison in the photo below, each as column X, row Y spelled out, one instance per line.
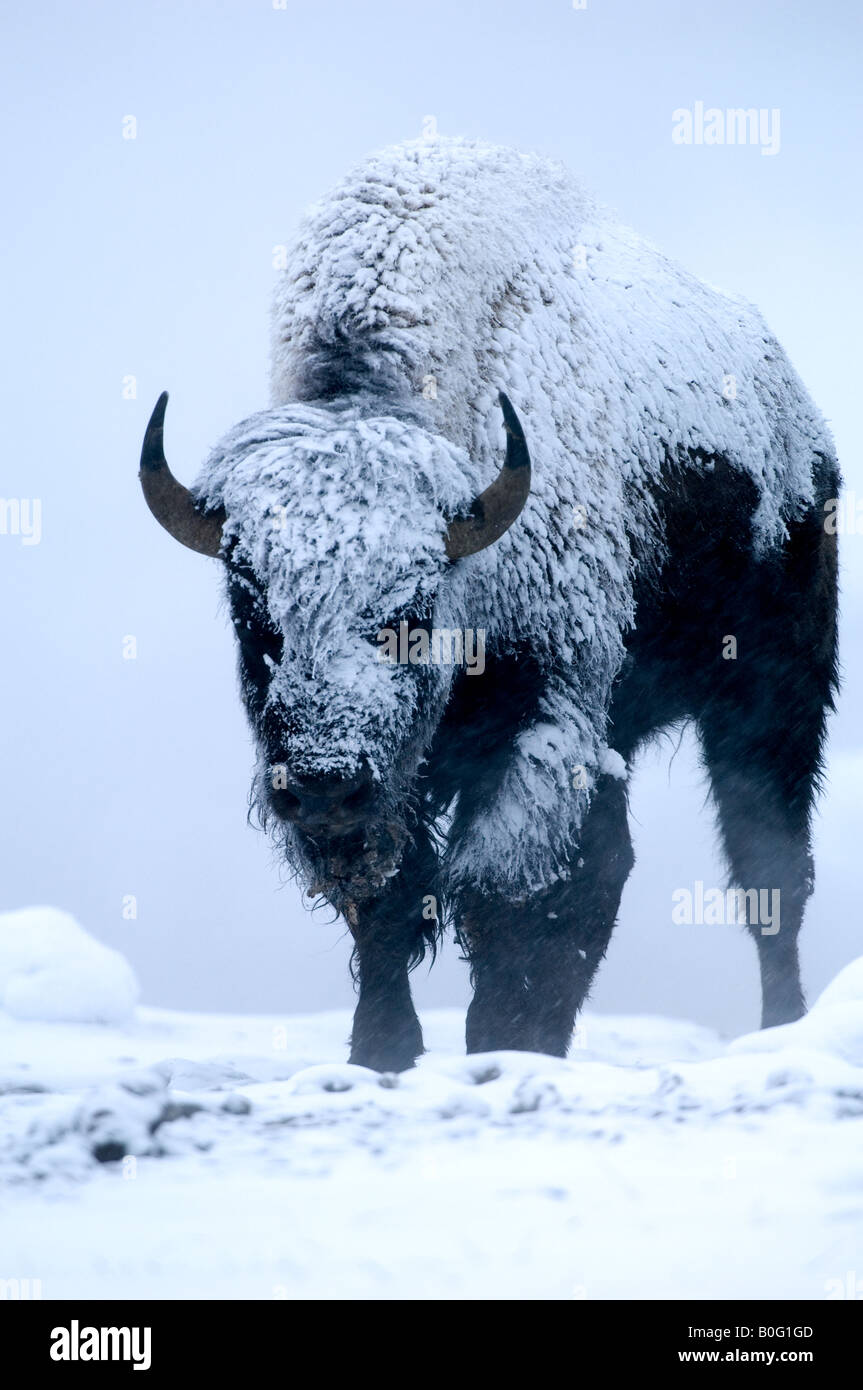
column 453, row 639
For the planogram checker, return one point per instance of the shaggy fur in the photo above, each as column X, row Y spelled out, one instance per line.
column 679, row 477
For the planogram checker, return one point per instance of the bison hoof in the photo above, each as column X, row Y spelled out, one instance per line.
column 384, row 1059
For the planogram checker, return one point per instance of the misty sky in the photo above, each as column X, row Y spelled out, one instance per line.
column 152, row 258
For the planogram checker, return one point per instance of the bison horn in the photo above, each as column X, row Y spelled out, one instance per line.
column 494, row 511
column 173, row 505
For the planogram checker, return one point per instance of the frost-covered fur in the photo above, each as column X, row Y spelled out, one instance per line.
column 438, row 273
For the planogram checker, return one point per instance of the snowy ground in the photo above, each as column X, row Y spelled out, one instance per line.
column 169, row 1155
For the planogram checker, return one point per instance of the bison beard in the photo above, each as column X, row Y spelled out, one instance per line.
column 416, row 799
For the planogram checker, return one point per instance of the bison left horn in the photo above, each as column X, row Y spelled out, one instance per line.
column 494, row 511
column 173, row 505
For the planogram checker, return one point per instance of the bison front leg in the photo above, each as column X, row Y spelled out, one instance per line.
column 390, row 934
column 532, row 962
column 386, row 1034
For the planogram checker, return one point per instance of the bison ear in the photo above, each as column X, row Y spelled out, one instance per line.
column 493, row 511
column 173, row 505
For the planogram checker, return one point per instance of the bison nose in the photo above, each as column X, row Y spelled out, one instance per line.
column 336, row 805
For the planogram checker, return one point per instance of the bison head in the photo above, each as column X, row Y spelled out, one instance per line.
column 337, row 528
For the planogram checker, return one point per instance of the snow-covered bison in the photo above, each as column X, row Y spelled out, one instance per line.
column 451, row 651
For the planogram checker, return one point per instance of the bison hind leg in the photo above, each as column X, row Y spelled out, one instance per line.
column 762, row 730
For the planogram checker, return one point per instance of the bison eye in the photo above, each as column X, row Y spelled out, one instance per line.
column 270, row 644
column 260, row 643
column 257, row 634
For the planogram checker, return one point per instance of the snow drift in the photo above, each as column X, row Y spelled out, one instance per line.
column 185, row 1155
column 54, row 971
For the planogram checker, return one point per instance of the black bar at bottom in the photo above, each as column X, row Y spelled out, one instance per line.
column 66, row 1337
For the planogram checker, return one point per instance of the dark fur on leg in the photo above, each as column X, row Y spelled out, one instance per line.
column 763, row 734
column 532, row 963
column 390, row 936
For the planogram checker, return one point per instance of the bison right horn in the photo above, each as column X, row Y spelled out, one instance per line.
column 493, row 511
column 173, row 505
